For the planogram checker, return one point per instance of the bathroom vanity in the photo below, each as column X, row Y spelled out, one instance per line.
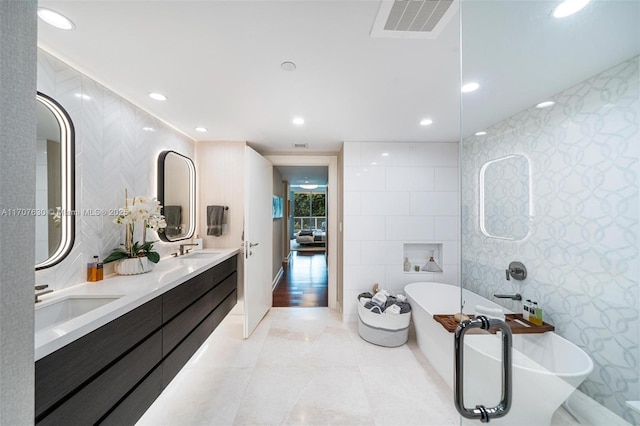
column 109, row 364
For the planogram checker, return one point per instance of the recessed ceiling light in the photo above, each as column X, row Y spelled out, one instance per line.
column 373, row 163
column 545, row 104
column 307, row 185
column 288, row 66
column 385, row 154
column 298, row 121
column 148, row 129
column 470, row 87
column 157, row 96
column 569, row 7
column 201, row 129
column 481, row 133
column 83, row 96
column 56, row 19
column 426, row 122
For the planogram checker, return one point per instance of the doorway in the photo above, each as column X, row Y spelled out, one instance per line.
column 305, row 280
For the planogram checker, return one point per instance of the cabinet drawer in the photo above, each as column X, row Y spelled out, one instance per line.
column 224, row 308
column 176, row 300
column 225, row 269
column 173, row 363
column 222, row 290
column 130, row 410
column 95, row 399
column 64, row 370
column 179, row 327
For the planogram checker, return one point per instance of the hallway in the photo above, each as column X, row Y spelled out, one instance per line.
column 304, row 281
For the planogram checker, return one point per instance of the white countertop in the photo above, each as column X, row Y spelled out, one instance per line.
column 133, row 291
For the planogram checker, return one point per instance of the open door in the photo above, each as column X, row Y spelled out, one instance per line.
column 258, row 239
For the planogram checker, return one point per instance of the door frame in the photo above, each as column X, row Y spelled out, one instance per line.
column 331, row 162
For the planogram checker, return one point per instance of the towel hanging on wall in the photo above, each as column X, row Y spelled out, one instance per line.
column 215, row 215
column 173, row 217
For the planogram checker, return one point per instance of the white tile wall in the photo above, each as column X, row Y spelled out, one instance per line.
column 435, row 203
column 409, row 195
column 410, row 179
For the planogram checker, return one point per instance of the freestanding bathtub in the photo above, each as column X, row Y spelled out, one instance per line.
column 546, row 367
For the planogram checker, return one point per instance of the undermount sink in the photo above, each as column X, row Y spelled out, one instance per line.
column 58, row 311
column 199, row 255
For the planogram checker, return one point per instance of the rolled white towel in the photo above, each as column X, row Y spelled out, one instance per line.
column 401, row 298
column 392, row 310
column 379, row 299
column 490, row 312
column 364, row 300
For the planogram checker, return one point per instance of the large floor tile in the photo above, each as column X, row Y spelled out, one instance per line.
column 196, row 397
column 305, row 366
column 271, row 393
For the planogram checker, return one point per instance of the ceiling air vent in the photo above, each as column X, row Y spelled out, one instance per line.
column 413, row 18
column 301, row 145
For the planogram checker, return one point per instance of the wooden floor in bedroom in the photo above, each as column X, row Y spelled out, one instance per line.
column 304, row 281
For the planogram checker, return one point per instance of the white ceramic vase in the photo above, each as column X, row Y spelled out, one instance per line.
column 133, row 266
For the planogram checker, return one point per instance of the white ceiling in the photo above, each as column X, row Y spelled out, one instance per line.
column 219, row 64
column 315, row 175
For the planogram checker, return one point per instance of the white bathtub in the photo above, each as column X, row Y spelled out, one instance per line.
column 546, row 367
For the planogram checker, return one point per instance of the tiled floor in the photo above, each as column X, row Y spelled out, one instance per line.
column 304, row 366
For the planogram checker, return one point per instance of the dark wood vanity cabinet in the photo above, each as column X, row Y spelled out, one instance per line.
column 113, row 374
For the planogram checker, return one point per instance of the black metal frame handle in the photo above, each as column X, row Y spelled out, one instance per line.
column 480, row 412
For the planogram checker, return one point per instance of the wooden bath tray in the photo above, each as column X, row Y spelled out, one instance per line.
column 450, row 324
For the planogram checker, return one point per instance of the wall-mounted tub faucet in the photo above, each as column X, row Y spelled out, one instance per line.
column 517, row 271
column 516, row 296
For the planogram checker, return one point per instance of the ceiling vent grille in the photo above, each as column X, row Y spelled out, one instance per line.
column 413, row 18
column 301, row 145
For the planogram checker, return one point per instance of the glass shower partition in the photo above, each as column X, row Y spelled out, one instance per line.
column 550, row 211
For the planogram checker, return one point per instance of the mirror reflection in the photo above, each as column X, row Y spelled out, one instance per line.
column 505, row 197
column 54, row 219
column 176, row 193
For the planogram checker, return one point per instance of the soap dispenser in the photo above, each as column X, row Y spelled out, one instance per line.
column 407, row 265
column 92, row 272
column 526, row 309
column 535, row 315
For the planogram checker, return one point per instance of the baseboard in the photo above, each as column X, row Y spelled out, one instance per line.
column 274, row 283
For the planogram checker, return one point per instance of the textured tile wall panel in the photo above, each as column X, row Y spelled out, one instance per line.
column 583, row 249
column 112, row 153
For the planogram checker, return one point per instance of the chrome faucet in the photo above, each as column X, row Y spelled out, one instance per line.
column 516, row 296
column 182, row 246
column 41, row 287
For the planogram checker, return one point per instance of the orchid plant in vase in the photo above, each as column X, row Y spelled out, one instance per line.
column 138, row 209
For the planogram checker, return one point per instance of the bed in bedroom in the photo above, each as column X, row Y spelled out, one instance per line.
column 311, row 237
